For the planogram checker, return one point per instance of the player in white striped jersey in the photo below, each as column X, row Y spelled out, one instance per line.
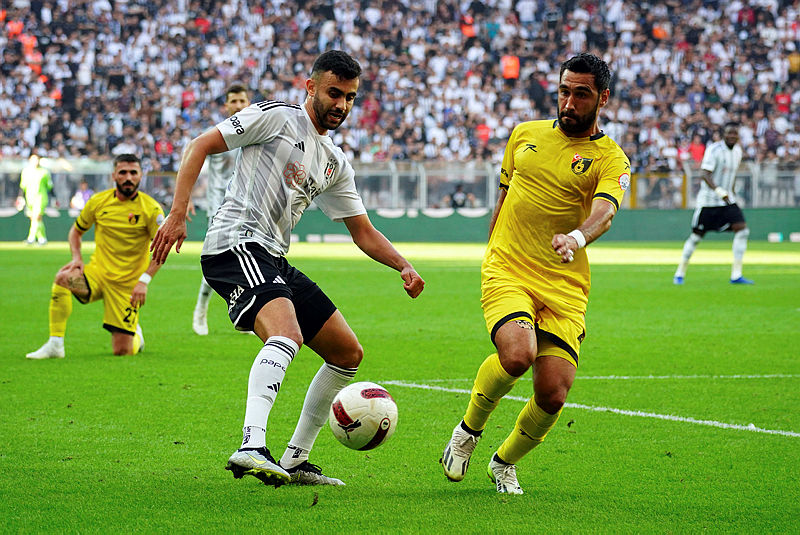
column 220, row 170
column 716, row 203
column 287, row 161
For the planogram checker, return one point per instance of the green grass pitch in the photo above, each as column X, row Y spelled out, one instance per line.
column 684, row 417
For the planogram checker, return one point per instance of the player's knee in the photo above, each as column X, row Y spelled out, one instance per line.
column 347, row 356
column 552, row 400
column 516, row 362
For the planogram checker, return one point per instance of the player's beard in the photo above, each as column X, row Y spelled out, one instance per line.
column 327, row 121
column 581, row 123
column 127, row 189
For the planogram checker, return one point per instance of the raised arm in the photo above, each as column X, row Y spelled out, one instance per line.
column 379, row 248
column 173, row 230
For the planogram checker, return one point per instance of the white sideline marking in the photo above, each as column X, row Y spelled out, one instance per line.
column 641, row 414
column 644, row 377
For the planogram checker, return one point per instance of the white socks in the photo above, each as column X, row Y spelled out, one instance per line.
column 688, row 249
column 203, row 296
column 739, row 248
column 328, row 381
column 266, row 377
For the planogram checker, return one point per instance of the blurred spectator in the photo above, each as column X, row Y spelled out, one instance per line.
column 78, row 201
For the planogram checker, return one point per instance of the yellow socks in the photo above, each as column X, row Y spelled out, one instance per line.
column 533, row 424
column 491, row 384
column 60, row 309
column 137, row 343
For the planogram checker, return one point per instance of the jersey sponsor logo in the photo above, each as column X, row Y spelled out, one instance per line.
column 624, row 181
column 294, row 174
column 237, row 125
column 580, row 164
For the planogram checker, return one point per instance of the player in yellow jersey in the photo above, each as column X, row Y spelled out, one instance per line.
column 561, row 183
column 125, row 221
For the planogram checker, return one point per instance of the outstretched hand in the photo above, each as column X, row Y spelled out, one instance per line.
column 412, row 282
column 172, row 231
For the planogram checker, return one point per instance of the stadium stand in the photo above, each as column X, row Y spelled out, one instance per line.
column 443, row 80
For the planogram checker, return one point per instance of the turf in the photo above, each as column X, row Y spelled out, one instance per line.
column 684, row 417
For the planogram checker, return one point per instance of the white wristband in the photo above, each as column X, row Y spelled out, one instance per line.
column 721, row 193
column 579, row 237
column 145, row 278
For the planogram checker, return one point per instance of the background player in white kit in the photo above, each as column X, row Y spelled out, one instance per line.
column 287, row 161
column 220, row 170
column 716, row 203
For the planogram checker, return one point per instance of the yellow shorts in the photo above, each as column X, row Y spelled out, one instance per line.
column 505, row 300
column 119, row 315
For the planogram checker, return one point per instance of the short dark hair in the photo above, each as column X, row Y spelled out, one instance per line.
column 589, row 63
column 339, row 63
column 127, row 158
column 235, row 88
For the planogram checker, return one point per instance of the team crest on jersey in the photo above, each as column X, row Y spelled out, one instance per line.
column 624, row 181
column 133, row 218
column 580, row 164
column 294, row 174
column 330, row 169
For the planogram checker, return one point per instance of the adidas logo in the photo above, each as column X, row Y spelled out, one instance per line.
column 274, row 387
column 300, row 145
column 278, row 280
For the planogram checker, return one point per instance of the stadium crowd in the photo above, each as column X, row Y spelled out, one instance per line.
column 443, row 79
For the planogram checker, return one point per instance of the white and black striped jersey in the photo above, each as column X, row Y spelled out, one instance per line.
column 284, row 165
column 220, row 171
column 723, row 164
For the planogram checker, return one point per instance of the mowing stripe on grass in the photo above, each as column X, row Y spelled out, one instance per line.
column 641, row 414
column 637, row 377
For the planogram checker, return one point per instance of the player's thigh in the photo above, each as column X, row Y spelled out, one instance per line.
column 277, row 317
column 336, row 343
column 559, row 335
column 510, row 312
column 78, row 283
column 119, row 315
column 552, row 380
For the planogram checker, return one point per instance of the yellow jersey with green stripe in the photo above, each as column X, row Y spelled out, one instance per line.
column 123, row 230
column 551, row 180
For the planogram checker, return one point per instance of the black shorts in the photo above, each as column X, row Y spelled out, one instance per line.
column 717, row 218
column 248, row 277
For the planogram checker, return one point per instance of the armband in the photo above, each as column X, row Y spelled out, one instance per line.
column 145, row 278
column 579, row 237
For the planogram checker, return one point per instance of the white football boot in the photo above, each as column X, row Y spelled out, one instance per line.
column 50, row 350
column 199, row 321
column 455, row 458
column 504, row 476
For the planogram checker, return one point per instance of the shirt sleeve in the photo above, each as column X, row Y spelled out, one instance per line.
column 614, row 179
column 341, row 198
column 507, row 167
column 709, row 162
column 257, row 123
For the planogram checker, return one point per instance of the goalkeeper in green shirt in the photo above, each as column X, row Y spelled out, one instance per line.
column 35, row 185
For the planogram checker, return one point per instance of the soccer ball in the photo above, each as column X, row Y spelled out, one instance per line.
column 363, row 416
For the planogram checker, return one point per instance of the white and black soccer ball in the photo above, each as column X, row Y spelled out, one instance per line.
column 363, row 416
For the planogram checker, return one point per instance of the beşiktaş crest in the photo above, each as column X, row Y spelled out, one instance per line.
column 330, row 169
column 580, row 164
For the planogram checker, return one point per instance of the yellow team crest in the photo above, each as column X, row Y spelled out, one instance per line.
column 580, row 164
